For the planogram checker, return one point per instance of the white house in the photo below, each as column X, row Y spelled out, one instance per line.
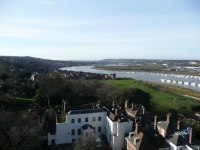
column 97, row 121
column 84, row 120
column 76, row 120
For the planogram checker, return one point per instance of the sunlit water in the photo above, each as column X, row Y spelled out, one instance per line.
column 152, row 77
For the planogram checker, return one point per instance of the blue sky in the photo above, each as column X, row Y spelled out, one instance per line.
column 100, row 29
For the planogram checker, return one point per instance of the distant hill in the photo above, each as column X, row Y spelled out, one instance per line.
column 32, row 64
column 158, row 61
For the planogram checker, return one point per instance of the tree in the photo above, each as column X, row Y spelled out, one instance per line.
column 103, row 91
column 4, row 76
column 17, row 130
column 48, row 87
column 89, row 143
column 134, row 95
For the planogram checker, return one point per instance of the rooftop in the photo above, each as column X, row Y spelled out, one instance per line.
column 85, row 111
column 195, row 146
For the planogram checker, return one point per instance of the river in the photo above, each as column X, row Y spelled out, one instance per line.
column 152, row 77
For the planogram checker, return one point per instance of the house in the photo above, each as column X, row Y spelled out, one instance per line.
column 178, row 135
column 143, row 136
column 113, row 76
column 78, row 121
column 144, row 140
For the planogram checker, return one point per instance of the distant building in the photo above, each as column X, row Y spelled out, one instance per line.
column 193, row 63
column 113, row 76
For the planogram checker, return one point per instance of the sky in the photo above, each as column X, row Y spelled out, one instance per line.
column 100, row 29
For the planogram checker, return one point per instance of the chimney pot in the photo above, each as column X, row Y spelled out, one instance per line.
column 143, row 110
column 155, row 122
column 126, row 104
column 137, row 128
column 116, row 112
column 168, row 116
column 93, row 105
column 190, row 138
column 179, row 124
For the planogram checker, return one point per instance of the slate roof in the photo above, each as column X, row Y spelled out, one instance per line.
column 112, row 116
column 81, row 107
column 179, row 138
column 194, row 146
column 84, row 111
column 136, row 112
column 168, row 126
column 148, row 140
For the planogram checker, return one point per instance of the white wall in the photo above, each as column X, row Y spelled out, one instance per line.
column 50, row 138
column 63, row 130
column 117, row 132
column 110, row 126
column 172, row 146
column 61, row 133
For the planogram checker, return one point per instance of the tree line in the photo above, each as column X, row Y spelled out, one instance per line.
column 51, row 91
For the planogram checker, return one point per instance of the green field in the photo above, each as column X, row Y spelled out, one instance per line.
column 163, row 98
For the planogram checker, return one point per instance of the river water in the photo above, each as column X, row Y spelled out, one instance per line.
column 152, row 77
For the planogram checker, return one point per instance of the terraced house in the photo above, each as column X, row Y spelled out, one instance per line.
column 114, row 122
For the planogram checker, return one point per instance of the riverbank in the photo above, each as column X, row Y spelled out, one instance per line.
column 123, row 69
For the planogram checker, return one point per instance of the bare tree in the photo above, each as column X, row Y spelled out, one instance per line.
column 18, row 130
column 89, row 142
column 103, row 91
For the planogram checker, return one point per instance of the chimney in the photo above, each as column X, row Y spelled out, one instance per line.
column 98, row 104
column 116, row 112
column 132, row 105
column 143, row 109
column 155, row 123
column 92, row 105
column 63, row 107
column 190, row 138
column 137, row 128
column 113, row 104
column 126, row 104
column 178, row 124
column 168, row 116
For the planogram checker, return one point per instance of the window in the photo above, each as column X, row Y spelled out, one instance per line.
column 79, row 120
column 73, row 121
column 94, row 129
column 73, row 132
column 99, row 129
column 79, row 131
column 99, row 118
column 93, row 119
column 73, row 140
column 86, row 119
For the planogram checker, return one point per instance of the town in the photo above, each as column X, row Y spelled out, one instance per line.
column 65, row 109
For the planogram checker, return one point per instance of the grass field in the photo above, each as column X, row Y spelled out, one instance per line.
column 172, row 99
